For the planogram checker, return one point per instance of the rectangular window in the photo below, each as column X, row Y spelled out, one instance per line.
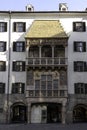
column 79, row 88
column 79, row 46
column 2, row 65
column 2, row 46
column 2, row 88
column 79, row 26
column 3, row 27
column 19, row 66
column 19, row 46
column 18, row 88
column 80, row 66
column 19, row 26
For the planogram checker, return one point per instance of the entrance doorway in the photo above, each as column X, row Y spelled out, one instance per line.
column 80, row 113
column 53, row 113
column 18, row 114
column 46, row 113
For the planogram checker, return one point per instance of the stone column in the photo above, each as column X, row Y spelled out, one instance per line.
column 52, row 51
column 63, row 113
column 52, row 54
column 40, row 51
column 29, row 113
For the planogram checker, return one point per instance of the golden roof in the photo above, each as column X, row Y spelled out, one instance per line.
column 46, row 29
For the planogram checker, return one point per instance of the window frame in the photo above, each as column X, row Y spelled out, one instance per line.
column 79, row 48
column 17, row 28
column 18, row 88
column 18, row 66
column 79, row 28
column 79, row 88
column 20, row 47
column 3, row 26
column 82, row 68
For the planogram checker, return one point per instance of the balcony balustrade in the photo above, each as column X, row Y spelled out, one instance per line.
column 47, row 61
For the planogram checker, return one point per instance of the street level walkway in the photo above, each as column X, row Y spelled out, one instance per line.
column 82, row 126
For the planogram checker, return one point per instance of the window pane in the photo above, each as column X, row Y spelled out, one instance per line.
column 2, row 65
column 2, row 46
column 49, row 84
column 37, row 84
column 79, row 26
column 43, row 84
column 3, row 27
column 55, row 84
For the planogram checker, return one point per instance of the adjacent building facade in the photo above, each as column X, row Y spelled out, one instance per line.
column 43, row 66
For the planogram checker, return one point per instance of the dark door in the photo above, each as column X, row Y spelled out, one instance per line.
column 19, row 114
column 53, row 113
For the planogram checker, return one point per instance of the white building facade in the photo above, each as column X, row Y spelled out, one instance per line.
column 43, row 74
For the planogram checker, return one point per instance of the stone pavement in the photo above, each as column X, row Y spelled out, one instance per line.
column 82, row 126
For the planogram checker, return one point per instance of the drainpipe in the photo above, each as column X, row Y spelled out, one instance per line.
column 9, row 59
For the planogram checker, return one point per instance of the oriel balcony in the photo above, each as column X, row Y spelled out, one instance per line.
column 46, row 56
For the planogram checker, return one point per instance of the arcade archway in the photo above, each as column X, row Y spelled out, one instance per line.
column 18, row 113
column 80, row 113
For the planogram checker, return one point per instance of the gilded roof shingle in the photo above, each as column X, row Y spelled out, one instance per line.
column 46, row 29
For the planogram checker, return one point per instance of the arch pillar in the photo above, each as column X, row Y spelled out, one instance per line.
column 29, row 113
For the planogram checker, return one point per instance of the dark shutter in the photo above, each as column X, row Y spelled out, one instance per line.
column 4, row 66
column 85, row 88
column 5, row 27
column 75, row 66
column 24, row 27
column 4, row 46
column 74, row 46
column 13, row 66
column 3, row 89
column 74, row 26
column 84, row 27
column 14, row 46
column 75, row 88
column 14, row 27
column 23, row 87
column 23, row 65
column 85, row 66
column 13, row 87
column 23, row 49
column 84, row 46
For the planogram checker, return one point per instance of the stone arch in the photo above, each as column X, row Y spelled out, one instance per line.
column 80, row 113
column 18, row 112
